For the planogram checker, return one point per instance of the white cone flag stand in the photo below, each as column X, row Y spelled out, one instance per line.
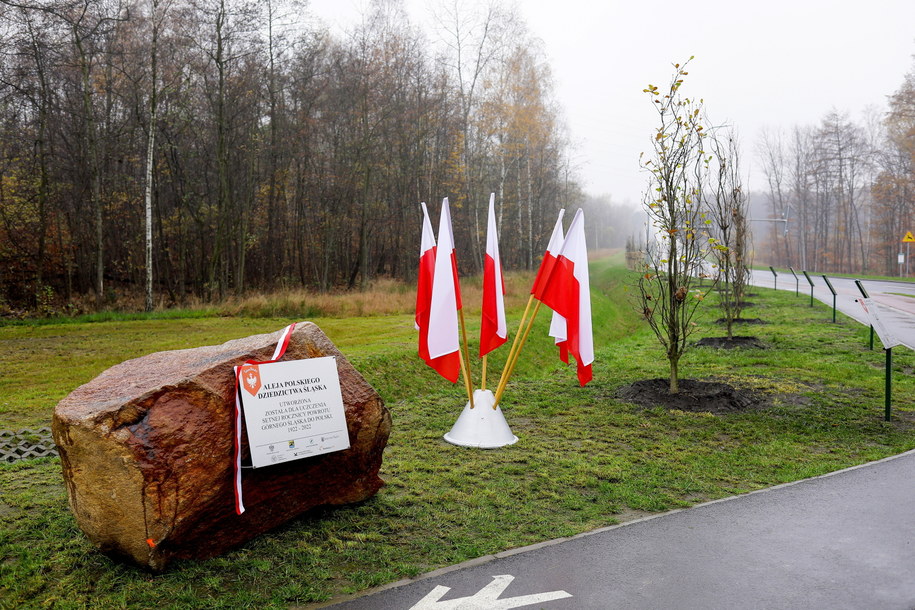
column 482, row 427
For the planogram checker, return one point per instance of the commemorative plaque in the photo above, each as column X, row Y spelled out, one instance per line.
column 293, row 410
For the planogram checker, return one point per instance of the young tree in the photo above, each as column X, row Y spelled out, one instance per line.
column 678, row 169
column 728, row 212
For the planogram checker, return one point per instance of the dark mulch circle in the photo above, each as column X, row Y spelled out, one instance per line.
column 731, row 343
column 694, row 395
column 742, row 321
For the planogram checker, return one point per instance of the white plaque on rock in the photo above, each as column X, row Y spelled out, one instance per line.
column 293, row 410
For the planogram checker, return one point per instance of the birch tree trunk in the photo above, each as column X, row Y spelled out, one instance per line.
column 151, row 151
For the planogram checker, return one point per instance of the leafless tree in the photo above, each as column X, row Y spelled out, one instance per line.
column 729, row 243
column 678, row 168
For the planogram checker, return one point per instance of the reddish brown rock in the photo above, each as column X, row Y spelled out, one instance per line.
column 146, row 450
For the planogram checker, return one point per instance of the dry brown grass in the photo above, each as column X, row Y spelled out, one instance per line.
column 383, row 297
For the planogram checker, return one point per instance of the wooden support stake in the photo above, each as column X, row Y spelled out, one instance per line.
column 517, row 339
column 507, row 373
column 465, row 359
column 515, row 342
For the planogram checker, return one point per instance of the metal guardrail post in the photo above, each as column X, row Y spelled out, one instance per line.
column 774, row 278
column 833, row 291
column 810, row 281
column 866, row 296
column 888, row 373
column 797, row 281
column 888, row 393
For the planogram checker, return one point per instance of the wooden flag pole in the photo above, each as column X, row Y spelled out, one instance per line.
column 507, row 372
column 517, row 339
column 467, row 385
column 465, row 359
column 483, row 382
column 503, row 383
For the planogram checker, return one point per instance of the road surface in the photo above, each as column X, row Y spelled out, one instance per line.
column 842, row 541
column 895, row 299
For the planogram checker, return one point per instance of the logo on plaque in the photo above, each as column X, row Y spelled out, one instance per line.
column 251, row 378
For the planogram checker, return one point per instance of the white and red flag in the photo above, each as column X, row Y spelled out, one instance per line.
column 558, row 323
column 567, row 291
column 424, row 284
column 493, row 330
column 442, row 344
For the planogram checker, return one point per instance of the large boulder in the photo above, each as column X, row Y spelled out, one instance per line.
column 146, row 449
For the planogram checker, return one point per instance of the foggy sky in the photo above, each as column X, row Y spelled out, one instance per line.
column 758, row 65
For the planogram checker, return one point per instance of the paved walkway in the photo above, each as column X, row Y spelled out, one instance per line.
column 844, row 540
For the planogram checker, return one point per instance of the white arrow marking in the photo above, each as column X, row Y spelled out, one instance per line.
column 486, row 598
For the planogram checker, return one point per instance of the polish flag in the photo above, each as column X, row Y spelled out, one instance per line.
column 442, row 335
column 446, row 211
column 567, row 291
column 558, row 323
column 493, row 330
column 424, row 284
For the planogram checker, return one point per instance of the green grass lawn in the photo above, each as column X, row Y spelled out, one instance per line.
column 584, row 459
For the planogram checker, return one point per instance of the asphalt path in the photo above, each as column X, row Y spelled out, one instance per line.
column 844, row 540
column 896, row 300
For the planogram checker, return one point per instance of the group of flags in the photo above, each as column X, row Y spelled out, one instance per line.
column 561, row 283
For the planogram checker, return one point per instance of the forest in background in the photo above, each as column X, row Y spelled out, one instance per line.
column 840, row 195
column 240, row 146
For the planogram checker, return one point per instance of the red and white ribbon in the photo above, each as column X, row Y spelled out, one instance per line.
column 281, row 346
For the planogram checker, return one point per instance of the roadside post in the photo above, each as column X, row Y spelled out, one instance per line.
column 774, row 278
column 889, row 341
column 866, row 296
column 797, row 281
column 833, row 291
column 887, row 394
column 810, row 281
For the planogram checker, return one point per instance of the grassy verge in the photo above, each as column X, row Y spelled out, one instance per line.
column 584, row 459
